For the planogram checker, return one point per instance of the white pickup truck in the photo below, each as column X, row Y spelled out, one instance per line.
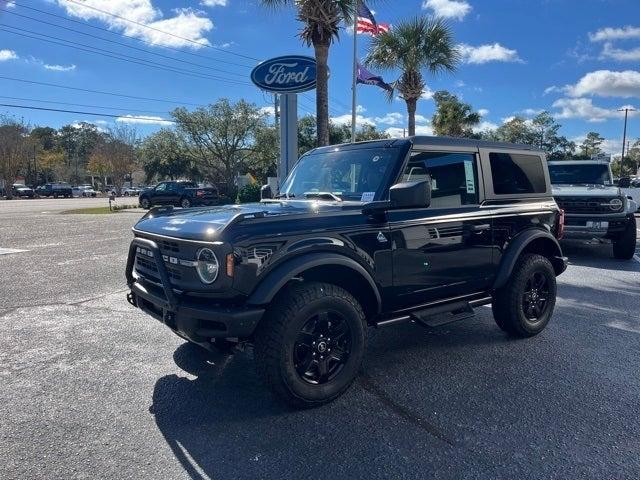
column 594, row 207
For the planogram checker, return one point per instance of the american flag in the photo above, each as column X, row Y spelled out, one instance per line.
column 367, row 23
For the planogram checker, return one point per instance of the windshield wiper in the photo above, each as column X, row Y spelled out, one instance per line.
column 323, row 194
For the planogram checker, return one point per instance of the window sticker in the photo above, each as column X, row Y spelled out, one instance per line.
column 469, row 177
column 368, row 196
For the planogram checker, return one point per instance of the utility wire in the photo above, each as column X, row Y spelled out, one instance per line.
column 201, row 44
column 117, row 56
column 100, row 92
column 127, row 116
column 334, row 100
column 124, row 44
column 111, row 32
column 39, row 100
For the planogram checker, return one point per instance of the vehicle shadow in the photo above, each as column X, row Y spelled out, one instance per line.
column 216, row 419
column 597, row 256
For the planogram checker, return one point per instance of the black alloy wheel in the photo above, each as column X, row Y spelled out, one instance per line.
column 524, row 306
column 535, row 297
column 322, row 348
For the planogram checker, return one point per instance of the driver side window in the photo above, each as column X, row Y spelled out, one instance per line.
column 161, row 188
column 454, row 177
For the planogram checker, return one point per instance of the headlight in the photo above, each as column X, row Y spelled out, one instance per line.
column 207, row 265
column 615, row 204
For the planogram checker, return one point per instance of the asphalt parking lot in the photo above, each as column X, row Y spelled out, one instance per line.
column 93, row 388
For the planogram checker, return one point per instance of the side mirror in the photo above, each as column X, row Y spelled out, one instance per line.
column 411, row 194
column 265, row 192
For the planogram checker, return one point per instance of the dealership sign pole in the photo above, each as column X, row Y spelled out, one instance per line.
column 287, row 76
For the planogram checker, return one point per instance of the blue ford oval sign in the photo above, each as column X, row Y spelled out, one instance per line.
column 287, row 74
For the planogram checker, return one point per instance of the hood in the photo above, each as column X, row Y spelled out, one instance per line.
column 207, row 223
column 586, row 191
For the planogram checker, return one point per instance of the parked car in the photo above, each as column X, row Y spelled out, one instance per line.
column 594, row 207
column 377, row 233
column 87, row 191
column 22, row 191
column 54, row 190
column 131, row 192
column 179, row 193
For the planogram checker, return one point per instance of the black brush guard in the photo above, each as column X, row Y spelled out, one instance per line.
column 193, row 321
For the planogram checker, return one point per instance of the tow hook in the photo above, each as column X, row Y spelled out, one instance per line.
column 131, row 298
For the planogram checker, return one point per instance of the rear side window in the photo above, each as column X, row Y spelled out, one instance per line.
column 516, row 174
column 454, row 177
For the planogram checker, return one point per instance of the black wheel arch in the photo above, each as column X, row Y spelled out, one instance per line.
column 326, row 267
column 534, row 240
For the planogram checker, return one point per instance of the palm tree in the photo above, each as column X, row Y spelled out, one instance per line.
column 453, row 118
column 321, row 19
column 422, row 43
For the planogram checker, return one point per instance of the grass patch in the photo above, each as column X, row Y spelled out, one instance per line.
column 98, row 210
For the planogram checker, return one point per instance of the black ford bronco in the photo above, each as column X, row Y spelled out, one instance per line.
column 417, row 230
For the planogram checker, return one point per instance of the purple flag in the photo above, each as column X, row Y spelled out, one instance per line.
column 365, row 77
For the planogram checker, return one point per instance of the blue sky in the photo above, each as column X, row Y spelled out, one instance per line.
column 579, row 59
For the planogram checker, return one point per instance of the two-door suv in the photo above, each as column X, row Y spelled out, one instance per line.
column 371, row 234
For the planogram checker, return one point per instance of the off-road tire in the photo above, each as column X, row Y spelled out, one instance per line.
column 145, row 203
column 507, row 305
column 276, row 336
column 185, row 202
column 624, row 247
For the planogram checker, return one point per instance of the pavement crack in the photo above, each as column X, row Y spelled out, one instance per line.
column 78, row 303
column 368, row 385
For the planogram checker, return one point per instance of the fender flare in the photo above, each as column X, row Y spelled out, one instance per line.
column 282, row 274
column 517, row 245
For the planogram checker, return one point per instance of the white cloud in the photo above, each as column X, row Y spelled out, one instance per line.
column 457, row 9
column 619, row 54
column 10, row 5
column 484, row 126
column 269, row 111
column 609, row 33
column 8, row 55
column 583, row 108
column 460, row 84
column 399, row 131
column 360, row 109
column 532, row 111
column 60, row 68
column 214, row 3
column 346, row 120
column 143, row 119
column 427, row 94
column 483, row 112
column 185, row 23
column 393, row 118
column 606, row 83
column 422, row 119
column 488, row 53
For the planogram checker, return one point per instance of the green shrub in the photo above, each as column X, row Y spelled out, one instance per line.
column 249, row 193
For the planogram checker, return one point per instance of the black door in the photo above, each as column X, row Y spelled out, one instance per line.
column 444, row 250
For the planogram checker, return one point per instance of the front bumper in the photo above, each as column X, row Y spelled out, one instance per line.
column 594, row 226
column 195, row 319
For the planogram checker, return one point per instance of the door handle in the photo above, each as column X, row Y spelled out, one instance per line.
column 481, row 228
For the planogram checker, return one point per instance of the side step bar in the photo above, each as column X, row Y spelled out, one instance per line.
column 438, row 315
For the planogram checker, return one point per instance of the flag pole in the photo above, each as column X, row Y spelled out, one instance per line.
column 355, row 72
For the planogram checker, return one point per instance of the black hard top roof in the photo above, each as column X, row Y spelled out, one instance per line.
column 421, row 140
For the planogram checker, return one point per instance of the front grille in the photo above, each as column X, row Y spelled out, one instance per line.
column 597, row 205
column 150, row 267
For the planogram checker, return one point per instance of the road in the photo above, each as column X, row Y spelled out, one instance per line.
column 93, row 388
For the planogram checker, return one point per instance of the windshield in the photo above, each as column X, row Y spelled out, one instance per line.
column 359, row 175
column 596, row 174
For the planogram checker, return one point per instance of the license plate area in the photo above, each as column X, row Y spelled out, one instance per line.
column 597, row 225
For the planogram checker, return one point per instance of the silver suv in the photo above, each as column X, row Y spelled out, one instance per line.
column 594, row 207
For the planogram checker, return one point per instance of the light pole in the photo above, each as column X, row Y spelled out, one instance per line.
column 626, row 111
